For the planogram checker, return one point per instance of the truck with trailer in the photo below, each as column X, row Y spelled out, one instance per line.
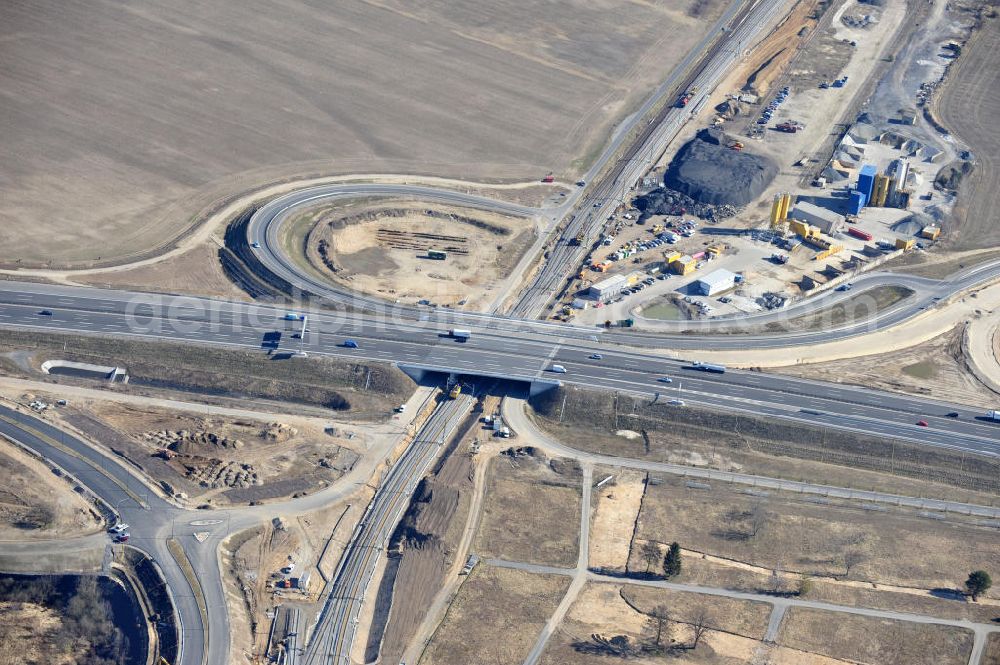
column 460, row 334
column 993, row 415
column 709, row 367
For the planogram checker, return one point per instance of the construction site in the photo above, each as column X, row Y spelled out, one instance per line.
column 791, row 183
column 417, row 253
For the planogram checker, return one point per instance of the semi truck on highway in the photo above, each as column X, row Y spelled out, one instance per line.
column 994, row 416
column 460, row 334
column 709, row 367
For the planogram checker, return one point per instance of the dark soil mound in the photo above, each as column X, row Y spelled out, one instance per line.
column 708, row 171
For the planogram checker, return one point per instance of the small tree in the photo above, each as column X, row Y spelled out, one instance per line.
column 700, row 625
column 757, row 520
column 978, row 583
column 650, row 553
column 672, row 562
column 805, row 585
column 659, row 619
column 852, row 558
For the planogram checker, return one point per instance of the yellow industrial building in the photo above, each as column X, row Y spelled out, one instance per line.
column 683, row 266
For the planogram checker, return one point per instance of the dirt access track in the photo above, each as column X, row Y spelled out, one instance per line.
column 126, row 120
column 382, row 249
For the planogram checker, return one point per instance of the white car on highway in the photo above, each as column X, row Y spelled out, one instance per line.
column 558, row 369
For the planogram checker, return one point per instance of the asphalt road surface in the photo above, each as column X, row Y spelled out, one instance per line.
column 528, row 356
column 151, row 518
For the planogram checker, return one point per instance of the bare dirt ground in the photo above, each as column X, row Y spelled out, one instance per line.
column 254, row 560
column 991, row 656
column 615, row 508
column 610, row 610
column 35, row 503
column 197, row 272
column 495, row 618
column 382, row 250
column 425, row 545
column 796, row 537
column 700, row 438
column 936, row 369
column 968, row 104
column 939, row 264
column 222, row 460
column 127, row 120
column 741, row 617
column 531, row 510
column 26, row 631
column 859, row 307
column 869, row 640
column 215, row 374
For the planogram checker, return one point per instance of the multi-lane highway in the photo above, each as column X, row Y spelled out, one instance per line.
column 527, row 355
column 333, row 637
column 503, row 346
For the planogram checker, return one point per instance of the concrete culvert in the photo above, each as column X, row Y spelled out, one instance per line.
column 708, row 171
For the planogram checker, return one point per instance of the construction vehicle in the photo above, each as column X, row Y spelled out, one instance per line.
column 549, row 178
column 456, row 390
column 737, row 146
column 686, row 97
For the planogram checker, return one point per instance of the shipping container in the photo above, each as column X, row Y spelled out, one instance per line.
column 858, row 233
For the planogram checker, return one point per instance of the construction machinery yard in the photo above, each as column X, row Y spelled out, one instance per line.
column 856, row 186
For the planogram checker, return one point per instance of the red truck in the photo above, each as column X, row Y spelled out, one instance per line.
column 787, row 127
column 858, row 233
column 549, row 178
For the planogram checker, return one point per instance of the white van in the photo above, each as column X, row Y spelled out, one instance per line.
column 558, row 369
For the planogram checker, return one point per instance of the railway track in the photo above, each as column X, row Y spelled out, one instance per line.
column 333, row 637
column 550, row 283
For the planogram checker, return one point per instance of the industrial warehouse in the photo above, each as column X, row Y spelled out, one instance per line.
column 692, row 243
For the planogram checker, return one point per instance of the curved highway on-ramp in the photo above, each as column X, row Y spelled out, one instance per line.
column 267, row 224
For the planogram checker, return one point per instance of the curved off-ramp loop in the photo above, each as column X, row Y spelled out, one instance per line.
column 982, row 348
column 265, row 227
